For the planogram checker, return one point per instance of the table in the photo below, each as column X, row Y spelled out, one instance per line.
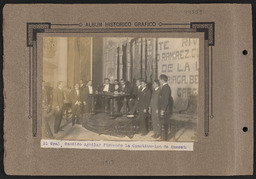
column 111, row 96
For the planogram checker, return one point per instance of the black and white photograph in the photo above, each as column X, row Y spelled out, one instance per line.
column 120, row 88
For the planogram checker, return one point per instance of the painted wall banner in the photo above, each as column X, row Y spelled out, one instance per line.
column 120, row 145
column 178, row 58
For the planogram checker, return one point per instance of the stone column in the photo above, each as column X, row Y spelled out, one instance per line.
column 143, row 58
column 120, row 61
column 128, row 61
column 60, row 73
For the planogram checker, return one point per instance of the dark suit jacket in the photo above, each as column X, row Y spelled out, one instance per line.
column 118, row 89
column 126, row 89
column 82, row 93
column 87, row 94
column 111, row 88
column 144, row 99
column 58, row 98
column 165, row 101
column 154, row 99
column 135, row 91
column 74, row 98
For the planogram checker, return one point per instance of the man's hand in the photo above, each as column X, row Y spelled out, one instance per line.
column 157, row 111
column 149, row 110
column 145, row 110
column 162, row 112
column 57, row 108
column 84, row 102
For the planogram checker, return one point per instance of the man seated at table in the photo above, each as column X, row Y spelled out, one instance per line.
column 107, row 87
column 117, row 87
column 125, row 87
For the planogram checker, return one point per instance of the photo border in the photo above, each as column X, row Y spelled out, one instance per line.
column 208, row 28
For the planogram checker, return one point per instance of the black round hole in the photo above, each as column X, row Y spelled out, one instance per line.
column 245, row 129
column 245, row 52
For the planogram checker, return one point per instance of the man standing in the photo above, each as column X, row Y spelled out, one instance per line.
column 165, row 105
column 143, row 104
column 154, row 109
column 133, row 102
column 125, row 89
column 82, row 95
column 75, row 97
column 57, row 105
column 117, row 102
column 88, row 98
column 45, row 111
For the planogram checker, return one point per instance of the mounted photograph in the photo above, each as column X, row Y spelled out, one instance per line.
column 120, row 89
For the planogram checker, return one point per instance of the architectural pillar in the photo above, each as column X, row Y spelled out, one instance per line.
column 60, row 73
column 120, row 61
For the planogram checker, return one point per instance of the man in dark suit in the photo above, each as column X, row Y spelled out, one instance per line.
column 144, row 97
column 88, row 99
column 165, row 105
column 133, row 102
column 125, row 87
column 82, row 94
column 154, row 109
column 49, row 93
column 117, row 102
column 117, row 87
column 107, row 87
column 75, row 97
column 45, row 111
column 57, row 106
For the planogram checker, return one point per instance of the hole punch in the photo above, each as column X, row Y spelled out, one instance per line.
column 245, row 129
column 245, row 52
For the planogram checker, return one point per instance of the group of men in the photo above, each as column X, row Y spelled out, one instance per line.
column 79, row 98
column 154, row 102
column 147, row 102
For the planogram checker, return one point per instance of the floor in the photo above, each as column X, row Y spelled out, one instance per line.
column 184, row 132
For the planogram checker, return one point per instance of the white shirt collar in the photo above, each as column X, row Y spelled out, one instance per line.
column 165, row 83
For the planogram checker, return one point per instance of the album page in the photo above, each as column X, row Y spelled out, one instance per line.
column 128, row 89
